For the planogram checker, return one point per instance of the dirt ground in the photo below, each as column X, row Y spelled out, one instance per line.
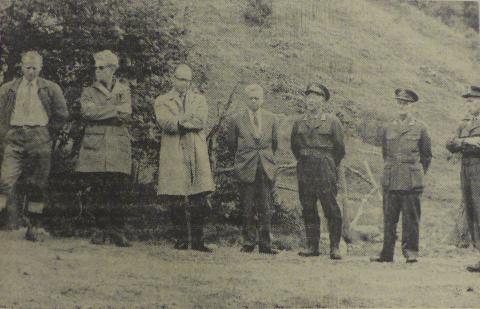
column 73, row 273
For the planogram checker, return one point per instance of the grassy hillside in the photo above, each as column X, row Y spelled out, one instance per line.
column 362, row 51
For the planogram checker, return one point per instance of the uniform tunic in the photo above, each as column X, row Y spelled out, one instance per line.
column 317, row 144
column 469, row 174
column 406, row 149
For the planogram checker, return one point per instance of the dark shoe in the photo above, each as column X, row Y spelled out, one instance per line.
column 247, row 249
column 411, row 260
column 35, row 234
column 268, row 251
column 335, row 254
column 308, row 253
column 98, row 238
column 474, row 268
column 202, row 248
column 380, row 259
column 119, row 239
column 181, row 245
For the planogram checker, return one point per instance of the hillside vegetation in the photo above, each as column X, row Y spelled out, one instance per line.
column 362, row 51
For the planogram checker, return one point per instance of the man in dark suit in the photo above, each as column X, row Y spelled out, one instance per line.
column 252, row 136
column 467, row 142
column 407, row 153
column 317, row 144
column 30, row 109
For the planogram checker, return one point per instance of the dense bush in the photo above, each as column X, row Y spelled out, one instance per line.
column 67, row 32
column 258, row 12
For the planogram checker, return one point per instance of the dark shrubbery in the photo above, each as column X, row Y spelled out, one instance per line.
column 258, row 12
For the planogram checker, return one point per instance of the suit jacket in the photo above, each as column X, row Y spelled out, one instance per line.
column 251, row 150
column 407, row 153
column 106, row 145
column 50, row 95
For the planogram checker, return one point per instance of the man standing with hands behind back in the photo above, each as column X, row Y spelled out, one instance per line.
column 253, row 137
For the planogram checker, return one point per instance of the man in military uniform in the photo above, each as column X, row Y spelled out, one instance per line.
column 31, row 108
column 407, row 154
column 467, row 142
column 317, row 144
column 184, row 177
column 253, row 136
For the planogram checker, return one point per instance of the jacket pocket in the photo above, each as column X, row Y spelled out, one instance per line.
column 93, row 141
column 416, row 176
column 387, row 171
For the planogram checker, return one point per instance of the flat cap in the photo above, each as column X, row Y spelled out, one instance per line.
column 318, row 89
column 472, row 92
column 406, row 95
column 105, row 58
column 184, row 72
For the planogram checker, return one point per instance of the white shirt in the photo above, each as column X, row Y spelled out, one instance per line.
column 28, row 110
column 259, row 118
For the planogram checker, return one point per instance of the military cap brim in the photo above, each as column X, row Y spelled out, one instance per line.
column 318, row 89
column 406, row 95
column 473, row 92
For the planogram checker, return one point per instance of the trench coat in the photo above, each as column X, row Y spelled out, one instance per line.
column 106, row 145
column 407, row 153
column 184, row 165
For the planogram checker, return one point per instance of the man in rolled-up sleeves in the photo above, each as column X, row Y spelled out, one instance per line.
column 184, row 176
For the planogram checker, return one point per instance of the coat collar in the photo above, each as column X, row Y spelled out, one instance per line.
column 41, row 84
column 248, row 122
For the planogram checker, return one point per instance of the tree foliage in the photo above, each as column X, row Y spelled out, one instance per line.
column 67, row 32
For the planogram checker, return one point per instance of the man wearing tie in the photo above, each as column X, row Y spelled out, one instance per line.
column 30, row 110
column 252, row 136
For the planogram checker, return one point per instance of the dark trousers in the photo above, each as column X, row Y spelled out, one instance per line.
column 317, row 181
column 105, row 197
column 197, row 209
column 27, row 156
column 408, row 203
column 470, row 180
column 256, row 199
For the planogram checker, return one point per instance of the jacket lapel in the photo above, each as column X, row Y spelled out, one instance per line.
column 248, row 123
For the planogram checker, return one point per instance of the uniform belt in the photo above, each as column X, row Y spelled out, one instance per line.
column 316, row 153
column 401, row 158
column 27, row 126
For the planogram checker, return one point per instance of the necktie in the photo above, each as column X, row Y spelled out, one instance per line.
column 256, row 122
column 27, row 103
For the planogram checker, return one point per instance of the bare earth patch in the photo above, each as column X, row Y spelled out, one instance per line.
column 71, row 272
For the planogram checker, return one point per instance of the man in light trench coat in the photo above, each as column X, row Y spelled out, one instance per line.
column 184, row 177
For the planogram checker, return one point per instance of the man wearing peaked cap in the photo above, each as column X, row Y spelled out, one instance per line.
column 467, row 142
column 317, row 144
column 407, row 153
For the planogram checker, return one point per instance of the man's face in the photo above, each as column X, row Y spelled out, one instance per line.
column 314, row 102
column 104, row 73
column 181, row 84
column 473, row 106
column 404, row 107
column 254, row 100
column 31, row 67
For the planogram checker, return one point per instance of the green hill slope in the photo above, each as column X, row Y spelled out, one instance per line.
column 362, row 50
